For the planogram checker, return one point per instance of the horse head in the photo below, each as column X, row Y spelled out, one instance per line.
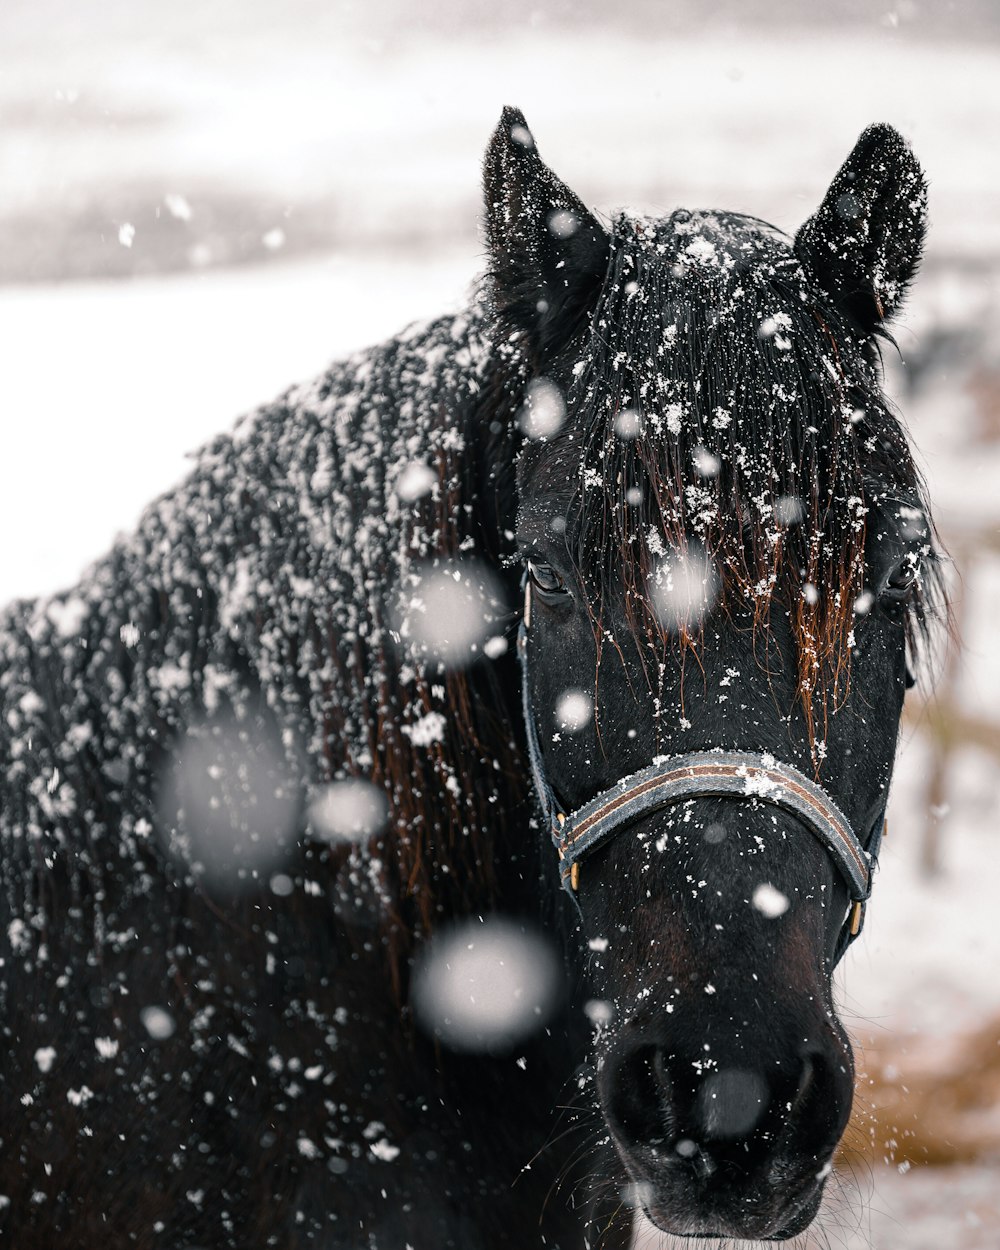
column 727, row 555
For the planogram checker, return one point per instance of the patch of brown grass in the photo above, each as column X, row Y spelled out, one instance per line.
column 933, row 1102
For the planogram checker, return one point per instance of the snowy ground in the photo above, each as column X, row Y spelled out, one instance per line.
column 107, row 387
column 362, row 148
column 340, row 134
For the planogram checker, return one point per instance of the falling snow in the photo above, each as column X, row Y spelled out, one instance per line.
column 770, row 901
column 486, row 986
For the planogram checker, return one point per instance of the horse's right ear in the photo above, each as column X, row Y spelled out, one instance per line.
column 548, row 254
column 863, row 243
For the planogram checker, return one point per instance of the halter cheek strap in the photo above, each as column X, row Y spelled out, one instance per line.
column 670, row 779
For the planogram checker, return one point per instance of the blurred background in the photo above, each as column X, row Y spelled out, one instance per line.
column 204, row 201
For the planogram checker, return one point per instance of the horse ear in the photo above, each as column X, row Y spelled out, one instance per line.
column 548, row 254
column 863, row 244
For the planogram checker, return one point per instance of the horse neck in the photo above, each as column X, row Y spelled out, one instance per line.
column 261, row 589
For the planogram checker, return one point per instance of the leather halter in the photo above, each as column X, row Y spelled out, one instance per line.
column 672, row 778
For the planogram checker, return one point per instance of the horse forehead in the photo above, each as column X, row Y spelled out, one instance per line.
column 693, row 232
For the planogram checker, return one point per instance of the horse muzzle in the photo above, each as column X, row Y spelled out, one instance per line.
column 735, row 1146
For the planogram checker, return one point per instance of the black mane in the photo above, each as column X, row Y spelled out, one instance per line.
column 265, row 585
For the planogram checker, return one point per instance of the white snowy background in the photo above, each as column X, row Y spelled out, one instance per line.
column 200, row 204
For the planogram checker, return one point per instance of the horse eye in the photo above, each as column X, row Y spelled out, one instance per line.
column 545, row 579
column 901, row 584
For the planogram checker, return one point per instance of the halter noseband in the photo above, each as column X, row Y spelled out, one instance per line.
column 669, row 779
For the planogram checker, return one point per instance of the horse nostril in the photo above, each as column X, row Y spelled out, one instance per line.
column 638, row 1093
column 660, row 1073
column 821, row 1103
column 807, row 1081
column 731, row 1103
column 809, row 1105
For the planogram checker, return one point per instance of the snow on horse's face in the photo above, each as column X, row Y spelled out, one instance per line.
column 723, row 541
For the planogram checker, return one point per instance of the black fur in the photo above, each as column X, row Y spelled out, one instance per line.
column 865, row 241
column 547, row 251
column 204, row 1049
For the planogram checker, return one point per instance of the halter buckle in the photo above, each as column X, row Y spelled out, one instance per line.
column 572, row 874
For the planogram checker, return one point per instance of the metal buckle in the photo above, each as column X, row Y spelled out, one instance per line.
column 574, row 875
column 574, row 868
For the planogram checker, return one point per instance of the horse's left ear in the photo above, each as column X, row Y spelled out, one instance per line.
column 863, row 244
column 548, row 253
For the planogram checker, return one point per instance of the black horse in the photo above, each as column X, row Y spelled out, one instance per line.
column 666, row 442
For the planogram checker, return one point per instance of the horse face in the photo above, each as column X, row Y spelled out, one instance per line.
column 723, row 1074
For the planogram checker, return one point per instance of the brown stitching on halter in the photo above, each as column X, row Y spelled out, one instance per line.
column 720, row 772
